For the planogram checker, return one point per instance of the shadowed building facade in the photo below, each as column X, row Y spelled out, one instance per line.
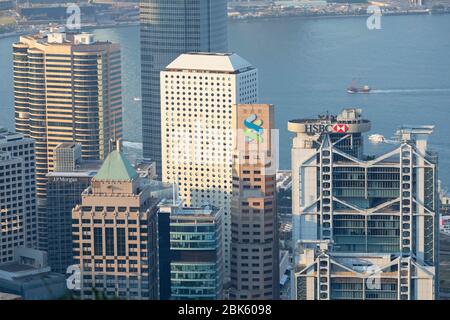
column 65, row 185
column 190, row 252
column 168, row 29
column 18, row 214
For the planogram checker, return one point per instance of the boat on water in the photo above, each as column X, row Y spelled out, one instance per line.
column 377, row 138
column 355, row 89
column 137, row 99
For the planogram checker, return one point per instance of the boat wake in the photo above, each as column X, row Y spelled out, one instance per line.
column 411, row 90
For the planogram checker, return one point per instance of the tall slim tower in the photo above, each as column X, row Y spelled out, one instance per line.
column 18, row 227
column 198, row 92
column 168, row 29
column 365, row 227
column 67, row 88
column 254, row 228
column 65, row 185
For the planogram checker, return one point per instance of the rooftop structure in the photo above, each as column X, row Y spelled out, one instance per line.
column 30, row 277
column 210, row 62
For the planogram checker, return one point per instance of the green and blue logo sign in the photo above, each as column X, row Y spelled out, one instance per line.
column 253, row 129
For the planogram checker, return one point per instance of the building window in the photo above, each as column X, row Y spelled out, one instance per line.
column 98, row 241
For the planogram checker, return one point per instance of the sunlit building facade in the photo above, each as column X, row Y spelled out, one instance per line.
column 198, row 92
column 168, row 29
column 67, row 88
column 115, row 234
column 254, row 226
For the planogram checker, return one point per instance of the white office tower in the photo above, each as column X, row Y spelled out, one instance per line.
column 365, row 227
column 18, row 226
column 198, row 91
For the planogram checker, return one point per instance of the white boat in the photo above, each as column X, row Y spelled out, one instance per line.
column 137, row 99
column 376, row 138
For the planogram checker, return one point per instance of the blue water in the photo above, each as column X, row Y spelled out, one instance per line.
column 305, row 66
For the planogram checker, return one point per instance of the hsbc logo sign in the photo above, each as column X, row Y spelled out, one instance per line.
column 340, row 128
column 312, row 129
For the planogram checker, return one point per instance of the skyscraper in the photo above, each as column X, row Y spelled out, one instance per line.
column 365, row 227
column 65, row 185
column 67, row 157
column 190, row 252
column 18, row 216
column 168, row 29
column 198, row 92
column 67, row 88
column 115, row 234
column 254, row 227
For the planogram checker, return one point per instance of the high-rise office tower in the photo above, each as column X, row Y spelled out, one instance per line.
column 115, row 234
column 67, row 157
column 365, row 227
column 190, row 252
column 198, row 92
column 65, row 185
column 254, row 228
column 168, row 29
column 18, row 217
column 67, row 88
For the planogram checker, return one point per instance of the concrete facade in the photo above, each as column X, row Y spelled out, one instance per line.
column 254, row 223
column 198, row 92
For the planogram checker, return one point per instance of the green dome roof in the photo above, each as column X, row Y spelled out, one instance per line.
column 116, row 168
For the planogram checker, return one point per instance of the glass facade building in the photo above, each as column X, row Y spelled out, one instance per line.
column 365, row 227
column 65, row 185
column 168, row 29
column 190, row 251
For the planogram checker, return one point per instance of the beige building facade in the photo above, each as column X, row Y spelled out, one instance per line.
column 67, row 88
column 115, row 234
column 254, row 236
column 198, row 92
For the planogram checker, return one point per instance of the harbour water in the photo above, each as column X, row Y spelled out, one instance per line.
column 305, row 66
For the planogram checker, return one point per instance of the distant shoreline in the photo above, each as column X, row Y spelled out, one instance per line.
column 246, row 19
column 338, row 16
column 87, row 27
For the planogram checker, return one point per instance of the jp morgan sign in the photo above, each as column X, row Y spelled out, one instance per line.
column 313, row 129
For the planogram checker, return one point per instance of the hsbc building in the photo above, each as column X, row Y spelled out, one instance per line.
column 345, row 129
column 354, row 213
column 348, row 122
